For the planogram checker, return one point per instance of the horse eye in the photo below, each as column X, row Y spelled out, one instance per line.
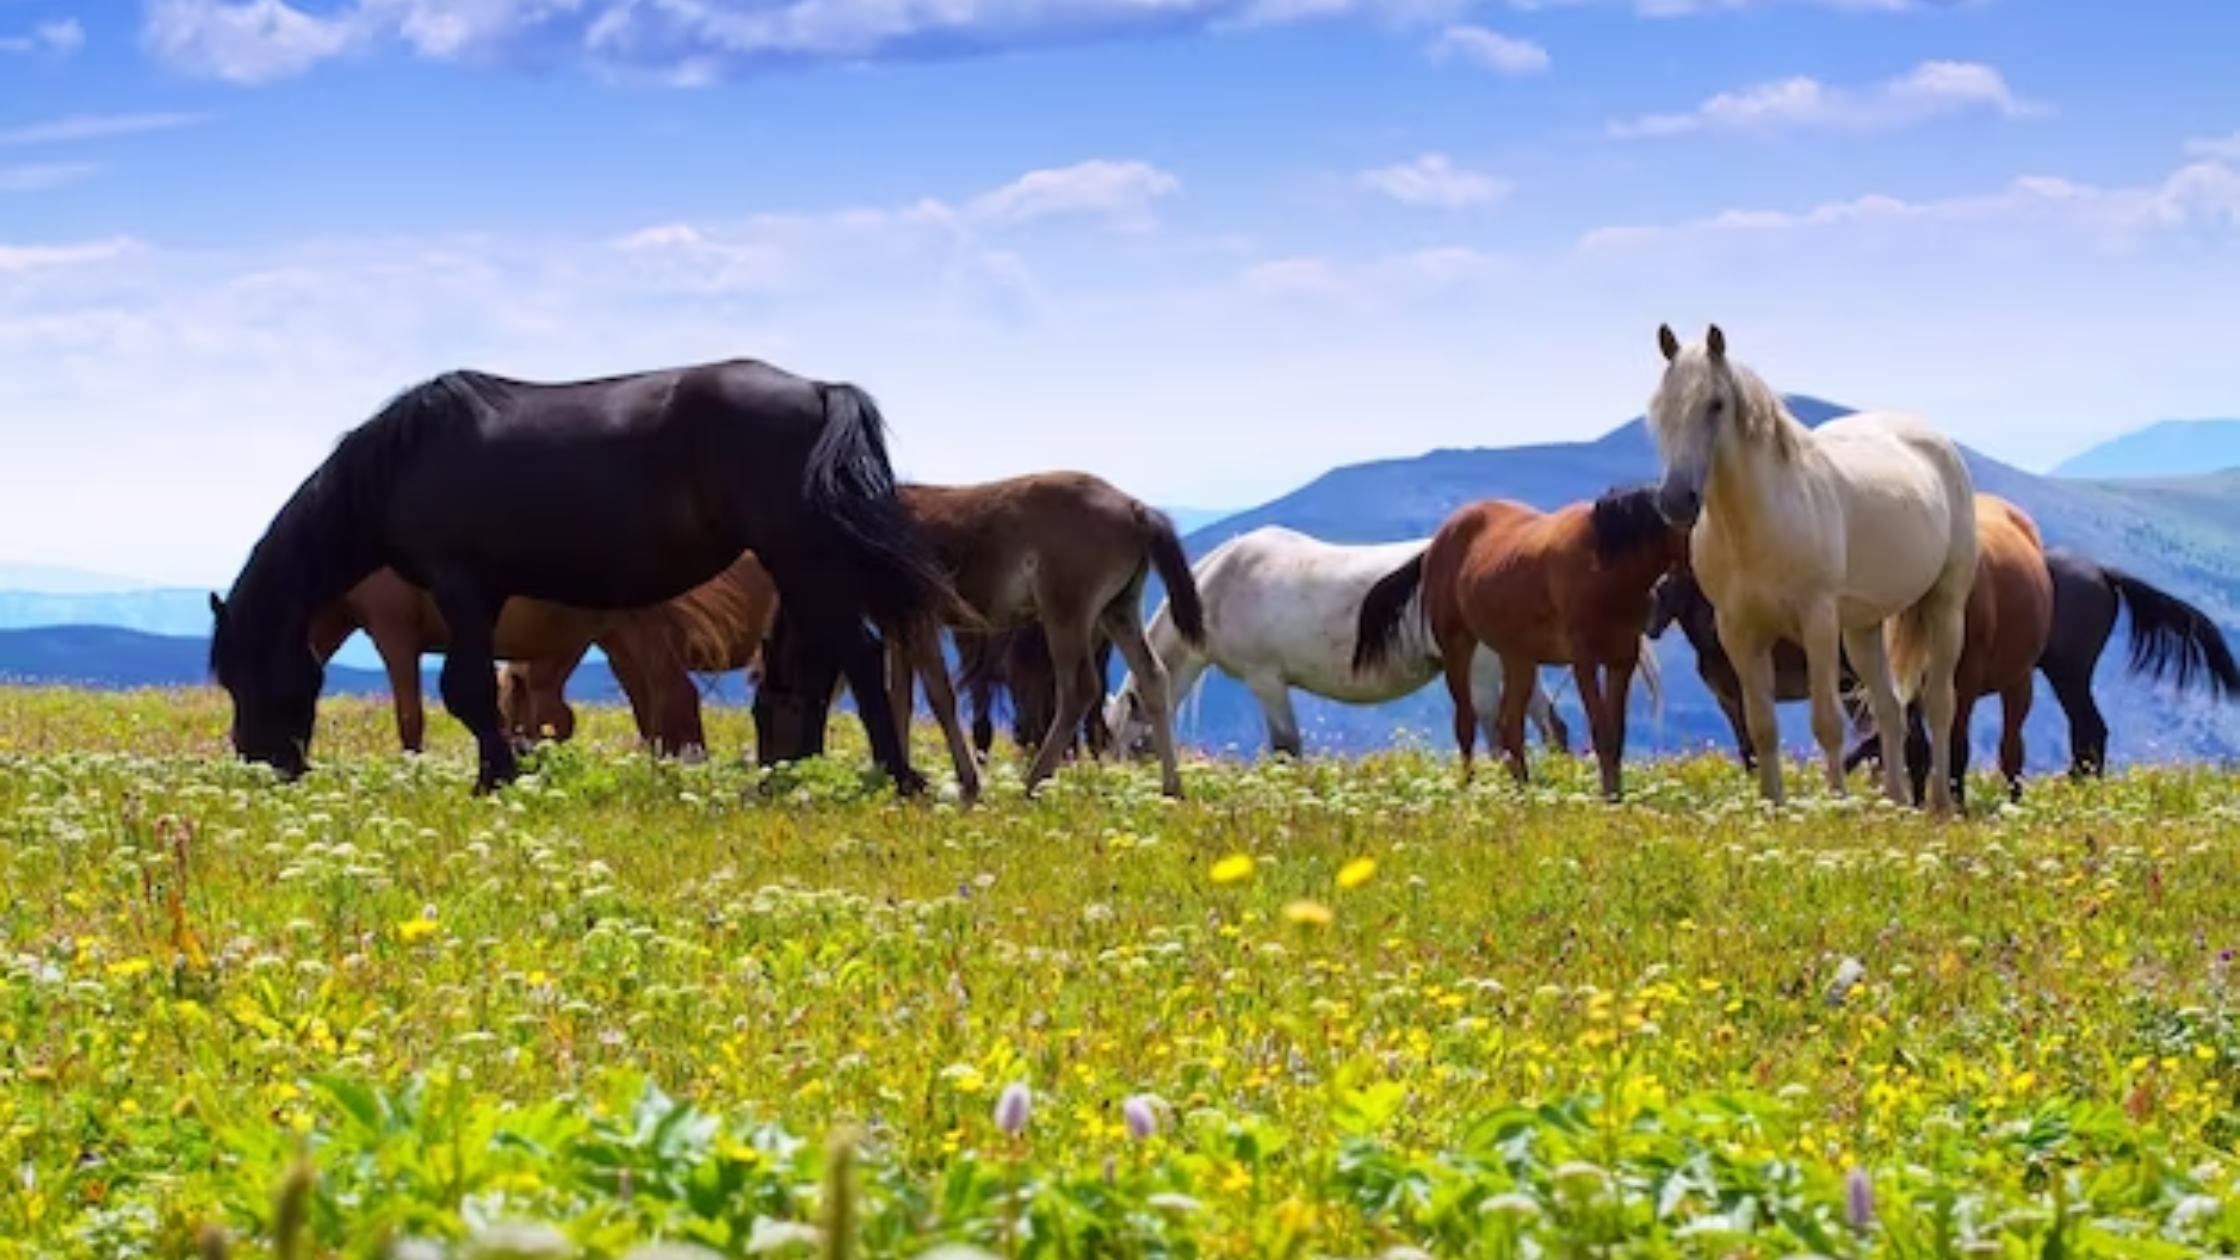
column 1718, row 405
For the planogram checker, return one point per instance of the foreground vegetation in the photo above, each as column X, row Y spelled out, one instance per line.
column 1332, row 1009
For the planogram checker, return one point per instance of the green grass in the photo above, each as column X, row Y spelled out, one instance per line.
column 628, row 1002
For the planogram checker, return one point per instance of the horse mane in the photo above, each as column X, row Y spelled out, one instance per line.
column 1760, row 414
column 319, row 542
column 1626, row 521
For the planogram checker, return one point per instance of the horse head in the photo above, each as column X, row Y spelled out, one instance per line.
column 1695, row 402
column 274, row 688
column 1124, row 716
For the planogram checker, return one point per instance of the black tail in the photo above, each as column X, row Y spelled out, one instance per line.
column 2169, row 634
column 850, row 487
column 1184, row 603
column 1381, row 609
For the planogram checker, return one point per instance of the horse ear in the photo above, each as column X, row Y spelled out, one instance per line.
column 1667, row 342
column 217, row 607
column 1716, row 342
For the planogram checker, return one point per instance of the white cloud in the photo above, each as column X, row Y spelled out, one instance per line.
column 41, row 177
column 2200, row 193
column 60, row 38
column 1433, row 180
column 1503, row 54
column 258, row 41
column 75, row 127
column 23, row 258
column 1121, row 193
column 1930, row 90
column 2220, row 149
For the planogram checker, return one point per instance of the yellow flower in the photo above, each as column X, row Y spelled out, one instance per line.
column 1231, row 869
column 414, row 930
column 1357, row 872
column 1308, row 913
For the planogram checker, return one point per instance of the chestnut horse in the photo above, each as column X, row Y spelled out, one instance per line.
column 1068, row 550
column 404, row 623
column 716, row 627
column 1568, row 587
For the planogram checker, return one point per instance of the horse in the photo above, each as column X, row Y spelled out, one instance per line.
column 608, row 494
column 716, row 627
column 1677, row 598
column 2170, row 639
column 1067, row 549
column 1280, row 607
column 1858, row 538
column 1018, row 662
column 1568, row 587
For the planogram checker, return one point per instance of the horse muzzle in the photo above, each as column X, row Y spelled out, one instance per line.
column 1679, row 507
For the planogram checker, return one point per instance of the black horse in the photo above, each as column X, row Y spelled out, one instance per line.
column 615, row 493
column 2170, row 639
column 1017, row 663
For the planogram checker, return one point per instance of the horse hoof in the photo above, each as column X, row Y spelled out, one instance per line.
column 909, row 783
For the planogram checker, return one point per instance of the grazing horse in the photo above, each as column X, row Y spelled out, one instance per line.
column 716, row 627
column 2168, row 637
column 1857, row 538
column 606, row 494
column 1568, row 587
column 1018, row 662
column 1071, row 551
column 1280, row 613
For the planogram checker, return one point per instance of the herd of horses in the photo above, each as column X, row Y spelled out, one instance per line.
column 734, row 516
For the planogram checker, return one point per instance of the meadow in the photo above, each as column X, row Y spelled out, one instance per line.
column 1330, row 1009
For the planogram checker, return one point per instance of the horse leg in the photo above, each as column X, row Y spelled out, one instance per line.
column 1731, row 705
column 2088, row 731
column 1822, row 636
column 1274, row 695
column 1750, row 653
column 1518, row 678
column 1069, row 645
column 1457, row 666
column 2014, row 708
column 922, row 654
column 403, row 668
column 1963, row 713
column 470, row 678
column 1123, row 623
column 863, row 665
column 1609, row 732
column 1945, row 623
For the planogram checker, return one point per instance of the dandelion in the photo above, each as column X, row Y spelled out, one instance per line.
column 1012, row 1108
column 1308, row 913
column 412, row 931
column 1231, row 869
column 1142, row 1120
column 1357, row 872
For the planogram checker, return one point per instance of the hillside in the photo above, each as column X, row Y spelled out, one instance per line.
column 2171, row 448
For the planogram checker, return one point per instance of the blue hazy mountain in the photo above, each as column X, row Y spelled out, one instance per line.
column 2172, row 448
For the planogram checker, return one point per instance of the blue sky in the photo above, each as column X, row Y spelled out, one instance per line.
column 1206, row 248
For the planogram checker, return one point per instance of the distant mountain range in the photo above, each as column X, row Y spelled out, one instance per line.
column 2181, row 533
column 2172, row 448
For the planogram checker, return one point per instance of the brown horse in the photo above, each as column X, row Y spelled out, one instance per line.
column 404, row 623
column 1017, row 662
column 1068, row 550
column 1568, row 587
column 716, row 627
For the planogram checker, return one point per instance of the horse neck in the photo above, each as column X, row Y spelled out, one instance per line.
column 1746, row 493
column 1184, row 663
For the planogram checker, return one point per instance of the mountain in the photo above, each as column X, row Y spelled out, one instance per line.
column 2172, row 448
column 1190, row 520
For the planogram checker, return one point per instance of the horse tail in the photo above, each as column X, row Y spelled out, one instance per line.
column 1381, row 610
column 1905, row 639
column 2170, row 635
column 1652, row 678
column 849, row 486
column 1167, row 556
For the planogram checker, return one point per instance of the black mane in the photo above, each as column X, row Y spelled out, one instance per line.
column 1626, row 521
column 310, row 552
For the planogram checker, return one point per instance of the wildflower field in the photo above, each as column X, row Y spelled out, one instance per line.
column 1331, row 1009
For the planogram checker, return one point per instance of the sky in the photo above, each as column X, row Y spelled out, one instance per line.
column 1206, row 249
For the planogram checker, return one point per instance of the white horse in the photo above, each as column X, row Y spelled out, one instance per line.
column 1861, row 534
column 1280, row 613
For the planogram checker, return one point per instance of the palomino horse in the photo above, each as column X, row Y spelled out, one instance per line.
column 605, row 494
column 716, row 627
column 1844, row 538
column 1017, row 662
column 1067, row 549
column 1280, row 613
column 1568, row 587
